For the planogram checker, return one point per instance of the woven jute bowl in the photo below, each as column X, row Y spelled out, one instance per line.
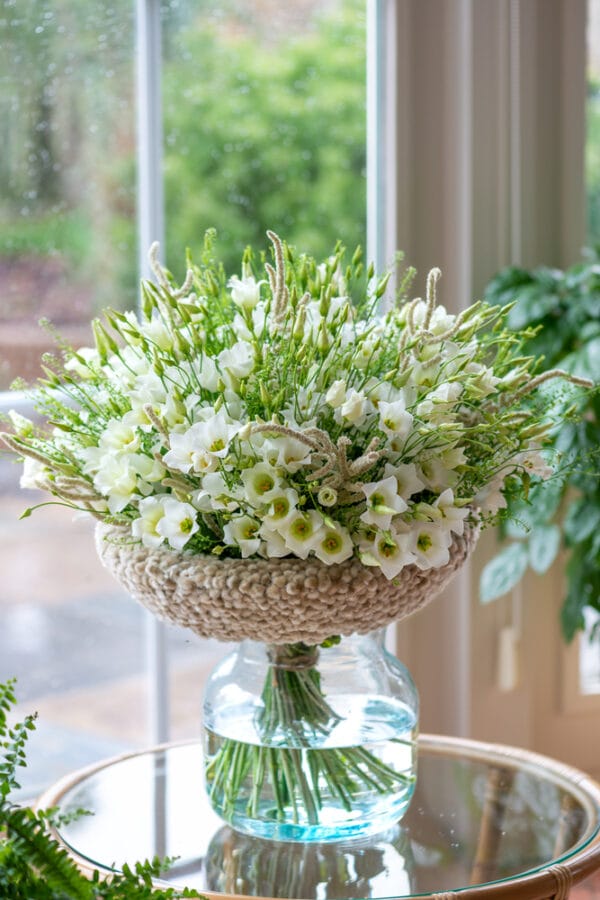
column 277, row 601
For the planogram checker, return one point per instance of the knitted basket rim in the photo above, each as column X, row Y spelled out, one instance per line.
column 280, row 600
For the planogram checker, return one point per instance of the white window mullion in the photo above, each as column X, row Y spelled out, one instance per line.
column 150, row 194
column 381, row 133
column 150, row 222
column 382, row 152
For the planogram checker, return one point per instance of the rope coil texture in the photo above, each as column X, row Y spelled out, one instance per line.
column 278, row 601
column 564, row 881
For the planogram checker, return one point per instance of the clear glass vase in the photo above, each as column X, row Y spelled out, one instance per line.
column 311, row 743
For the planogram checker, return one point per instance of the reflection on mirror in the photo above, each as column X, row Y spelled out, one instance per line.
column 474, row 819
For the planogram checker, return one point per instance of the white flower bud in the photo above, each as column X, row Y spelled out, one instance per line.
column 336, row 394
column 245, row 292
column 327, row 496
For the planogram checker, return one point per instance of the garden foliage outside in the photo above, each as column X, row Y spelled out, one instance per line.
column 264, row 126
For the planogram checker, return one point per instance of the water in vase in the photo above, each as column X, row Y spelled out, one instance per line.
column 313, row 780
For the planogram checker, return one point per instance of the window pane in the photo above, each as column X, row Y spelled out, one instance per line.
column 265, row 128
column 592, row 147
column 67, row 248
column 264, row 107
column 66, row 171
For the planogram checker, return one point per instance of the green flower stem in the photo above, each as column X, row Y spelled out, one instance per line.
column 294, row 712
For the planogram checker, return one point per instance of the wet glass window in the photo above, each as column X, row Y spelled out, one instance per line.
column 264, row 127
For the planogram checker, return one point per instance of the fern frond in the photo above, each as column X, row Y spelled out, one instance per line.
column 13, row 746
column 27, row 833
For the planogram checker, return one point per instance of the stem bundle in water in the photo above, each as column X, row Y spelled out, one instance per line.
column 291, row 775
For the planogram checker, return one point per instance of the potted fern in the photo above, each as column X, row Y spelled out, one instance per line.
column 32, row 863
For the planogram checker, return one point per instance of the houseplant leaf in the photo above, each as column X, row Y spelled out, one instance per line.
column 503, row 572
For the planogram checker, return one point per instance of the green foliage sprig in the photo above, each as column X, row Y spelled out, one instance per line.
column 33, row 865
column 563, row 310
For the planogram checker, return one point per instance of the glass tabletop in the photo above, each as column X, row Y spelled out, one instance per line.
column 479, row 815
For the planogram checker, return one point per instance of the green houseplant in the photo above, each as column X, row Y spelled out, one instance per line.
column 563, row 309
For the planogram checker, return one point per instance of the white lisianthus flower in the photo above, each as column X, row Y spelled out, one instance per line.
column 441, row 320
column 336, row 395
column 235, row 406
column 334, row 545
column 237, row 361
column 148, row 388
column 179, row 376
column 453, row 516
column 424, row 372
column 438, row 400
column 92, row 459
column 151, row 511
column 246, row 328
column 407, row 480
column 354, row 407
column 286, row 452
column 150, row 471
column 33, row 475
column 138, row 418
column 240, row 328
column 383, row 502
column 261, row 483
column 207, row 373
column 281, row 508
column 454, row 457
column 203, row 444
column 245, row 292
column 430, row 544
column 89, row 359
column 377, row 390
column 172, row 413
column 178, row 523
column 119, row 437
column 302, row 531
column 186, row 455
column 215, row 494
column 436, row 474
column 425, row 512
column 157, row 333
column 242, row 532
column 394, row 418
column 127, row 364
column 312, row 321
column 272, row 545
column 481, row 382
column 117, row 480
column 367, row 350
column 389, row 551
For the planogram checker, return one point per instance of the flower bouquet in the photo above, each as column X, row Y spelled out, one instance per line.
column 271, row 456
